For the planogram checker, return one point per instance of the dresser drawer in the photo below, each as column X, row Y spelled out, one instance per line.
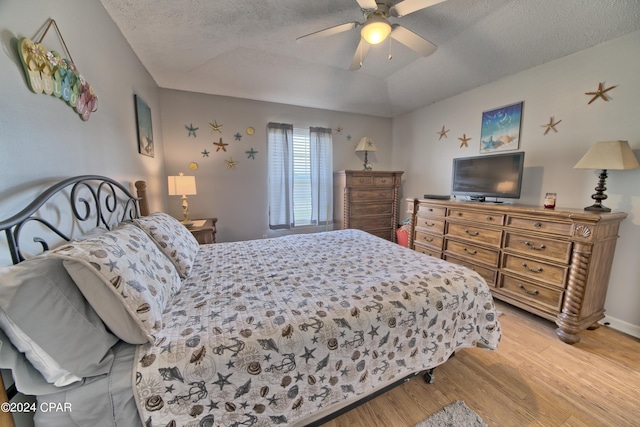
column 476, row 234
column 372, row 223
column 429, row 239
column 473, row 252
column 538, row 295
column 360, row 180
column 385, row 234
column 538, row 270
column 543, row 226
column 383, row 180
column 477, row 217
column 371, row 195
column 428, row 251
column 556, row 250
column 488, row 274
column 359, row 209
column 433, row 225
column 431, row 211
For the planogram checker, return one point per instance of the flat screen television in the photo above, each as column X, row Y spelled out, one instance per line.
column 498, row 175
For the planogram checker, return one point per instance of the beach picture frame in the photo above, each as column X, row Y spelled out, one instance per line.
column 144, row 127
column 501, row 128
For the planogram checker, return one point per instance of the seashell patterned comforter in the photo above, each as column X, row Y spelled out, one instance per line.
column 272, row 331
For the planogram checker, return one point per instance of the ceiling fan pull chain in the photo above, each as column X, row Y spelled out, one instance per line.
column 390, row 55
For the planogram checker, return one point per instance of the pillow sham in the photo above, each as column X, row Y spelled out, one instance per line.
column 173, row 239
column 46, row 317
column 125, row 278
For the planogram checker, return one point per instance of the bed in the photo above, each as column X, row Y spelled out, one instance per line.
column 143, row 326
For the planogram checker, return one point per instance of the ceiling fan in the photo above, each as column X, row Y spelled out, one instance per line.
column 376, row 28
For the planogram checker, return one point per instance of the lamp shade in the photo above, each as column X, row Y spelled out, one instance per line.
column 614, row 155
column 366, row 144
column 182, row 185
column 375, row 31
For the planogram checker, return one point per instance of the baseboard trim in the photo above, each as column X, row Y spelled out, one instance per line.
column 621, row 325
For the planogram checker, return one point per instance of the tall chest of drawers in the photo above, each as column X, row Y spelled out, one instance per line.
column 554, row 263
column 367, row 200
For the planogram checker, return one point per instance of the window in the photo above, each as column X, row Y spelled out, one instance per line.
column 300, row 177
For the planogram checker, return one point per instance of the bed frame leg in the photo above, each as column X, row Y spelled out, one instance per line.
column 428, row 376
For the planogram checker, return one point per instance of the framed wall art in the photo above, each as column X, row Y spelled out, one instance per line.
column 143, row 124
column 501, row 128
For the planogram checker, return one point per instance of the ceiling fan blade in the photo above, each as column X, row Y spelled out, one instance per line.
column 328, row 32
column 412, row 40
column 358, row 58
column 409, row 6
column 367, row 4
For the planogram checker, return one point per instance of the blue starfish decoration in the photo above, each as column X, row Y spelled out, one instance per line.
column 348, row 137
column 251, row 154
column 205, row 153
column 237, row 136
column 191, row 129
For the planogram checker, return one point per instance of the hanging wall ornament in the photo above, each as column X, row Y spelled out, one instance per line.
column 193, row 166
column 205, row 153
column 339, row 130
column 600, row 93
column 550, row 126
column 464, row 140
column 238, row 136
column 220, row 145
column 250, row 131
column 49, row 73
column 215, row 127
column 231, row 164
column 442, row 133
column 251, row 154
column 191, row 129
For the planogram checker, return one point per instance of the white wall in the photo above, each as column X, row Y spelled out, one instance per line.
column 42, row 139
column 556, row 89
column 238, row 198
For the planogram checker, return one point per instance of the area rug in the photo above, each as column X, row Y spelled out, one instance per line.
column 456, row 414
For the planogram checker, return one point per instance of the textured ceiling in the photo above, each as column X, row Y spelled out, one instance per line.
column 248, row 49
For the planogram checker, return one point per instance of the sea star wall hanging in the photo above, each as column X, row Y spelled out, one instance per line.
column 600, row 93
column 251, row 154
column 442, row 133
column 215, row 127
column 205, row 153
column 550, row 126
column 220, row 145
column 237, row 136
column 192, row 130
column 231, row 164
column 464, row 140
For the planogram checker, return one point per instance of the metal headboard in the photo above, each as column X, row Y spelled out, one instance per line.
column 91, row 197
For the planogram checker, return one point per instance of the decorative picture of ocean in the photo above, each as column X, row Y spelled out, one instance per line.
column 501, row 128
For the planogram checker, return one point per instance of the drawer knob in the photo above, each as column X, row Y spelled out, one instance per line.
column 429, row 225
column 471, row 233
column 526, row 267
column 488, row 218
column 427, row 239
column 537, row 224
column 473, row 252
column 459, row 213
column 534, row 247
column 430, row 210
column 533, row 292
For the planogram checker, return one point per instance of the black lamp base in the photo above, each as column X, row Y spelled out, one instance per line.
column 599, row 196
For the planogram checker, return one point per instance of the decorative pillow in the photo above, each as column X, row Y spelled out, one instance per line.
column 173, row 238
column 125, row 278
column 47, row 318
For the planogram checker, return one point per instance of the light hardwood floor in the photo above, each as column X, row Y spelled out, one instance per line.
column 533, row 379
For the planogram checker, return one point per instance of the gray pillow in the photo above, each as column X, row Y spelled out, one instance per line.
column 39, row 297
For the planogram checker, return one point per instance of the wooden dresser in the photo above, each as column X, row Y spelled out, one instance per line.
column 367, row 200
column 551, row 262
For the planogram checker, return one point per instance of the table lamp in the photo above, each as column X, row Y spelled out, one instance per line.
column 184, row 186
column 366, row 144
column 605, row 155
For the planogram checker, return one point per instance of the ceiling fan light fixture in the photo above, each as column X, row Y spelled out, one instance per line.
column 376, row 31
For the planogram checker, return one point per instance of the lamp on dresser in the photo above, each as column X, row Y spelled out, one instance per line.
column 616, row 155
column 366, row 144
column 184, row 186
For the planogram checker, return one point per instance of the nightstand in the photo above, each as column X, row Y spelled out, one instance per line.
column 205, row 233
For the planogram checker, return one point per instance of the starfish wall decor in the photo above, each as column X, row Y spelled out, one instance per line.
column 191, row 129
column 600, row 93
column 220, row 145
column 550, row 126
column 237, row 136
column 251, row 154
column 231, row 164
column 442, row 133
column 464, row 140
column 215, row 127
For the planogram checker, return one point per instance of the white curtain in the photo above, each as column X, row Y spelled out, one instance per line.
column 280, row 182
column 321, row 175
